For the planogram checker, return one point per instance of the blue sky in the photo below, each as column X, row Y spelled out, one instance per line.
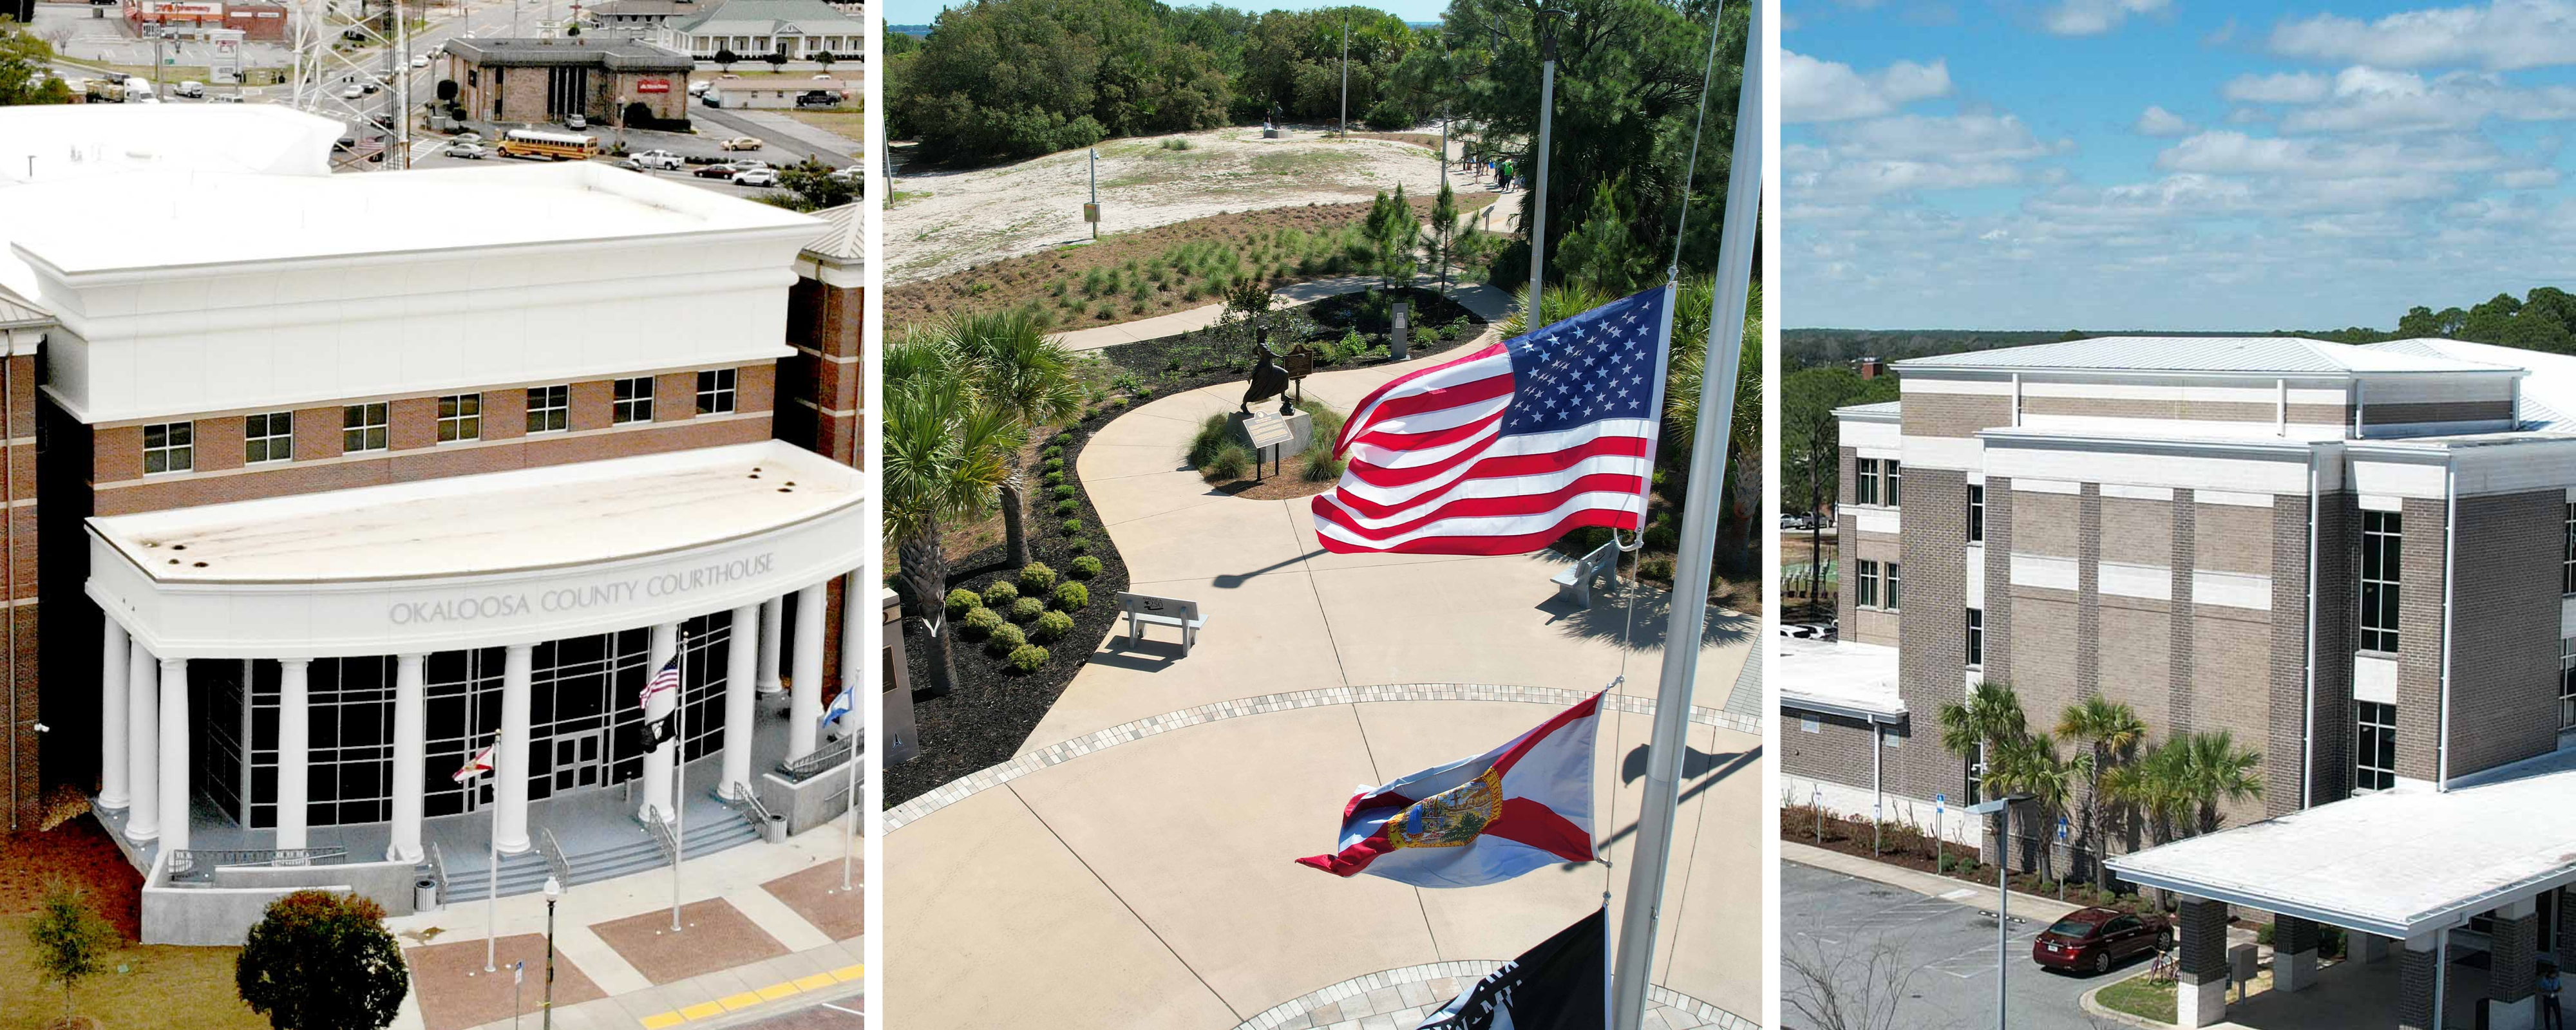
column 2170, row 164
column 923, row 12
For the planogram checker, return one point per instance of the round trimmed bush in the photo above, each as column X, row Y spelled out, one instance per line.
column 961, row 601
column 1054, row 478
column 1036, row 578
column 1086, row 567
column 1077, row 544
column 1067, row 507
column 982, row 622
column 1662, row 538
column 1005, row 637
column 1073, row 525
column 1000, row 593
column 1027, row 657
column 1072, row 596
column 1064, row 492
column 1050, row 626
column 1027, row 608
column 1055, row 464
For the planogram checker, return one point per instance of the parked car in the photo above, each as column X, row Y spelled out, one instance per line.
column 755, row 177
column 718, row 170
column 850, row 173
column 420, row 60
column 191, row 88
column 662, row 159
column 699, row 88
column 468, row 151
column 466, row 137
column 352, row 91
column 2094, row 939
column 228, row 98
column 743, row 143
column 574, row 121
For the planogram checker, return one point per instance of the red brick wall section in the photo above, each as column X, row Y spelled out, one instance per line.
column 505, row 414
column 590, row 404
column 756, row 387
column 219, row 443
column 119, row 455
column 675, row 396
column 414, row 423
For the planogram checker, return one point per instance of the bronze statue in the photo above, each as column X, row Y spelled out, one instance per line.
column 1268, row 379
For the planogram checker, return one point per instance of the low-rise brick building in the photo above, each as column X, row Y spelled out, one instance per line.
column 549, row 78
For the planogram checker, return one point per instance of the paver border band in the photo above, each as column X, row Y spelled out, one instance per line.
column 1028, row 762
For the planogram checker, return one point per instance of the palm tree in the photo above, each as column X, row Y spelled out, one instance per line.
column 1982, row 724
column 2114, row 730
column 2031, row 765
column 1563, row 299
column 944, row 464
column 2214, row 769
column 1026, row 376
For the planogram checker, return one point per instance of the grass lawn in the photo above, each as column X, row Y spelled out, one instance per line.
column 161, row 986
column 850, row 123
column 2141, row 995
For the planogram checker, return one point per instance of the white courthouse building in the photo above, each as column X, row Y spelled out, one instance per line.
column 346, row 478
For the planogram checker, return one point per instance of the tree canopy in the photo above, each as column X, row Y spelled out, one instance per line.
column 22, row 61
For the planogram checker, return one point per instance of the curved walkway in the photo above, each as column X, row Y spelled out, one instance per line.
column 1408, row 995
column 1133, row 867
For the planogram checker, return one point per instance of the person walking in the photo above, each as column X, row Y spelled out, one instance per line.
column 2550, row 1016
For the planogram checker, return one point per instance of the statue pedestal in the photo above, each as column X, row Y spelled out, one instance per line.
column 1272, row 134
column 1301, row 429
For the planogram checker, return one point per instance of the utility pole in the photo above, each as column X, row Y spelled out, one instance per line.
column 1095, row 193
column 1546, row 26
column 398, row 84
column 1346, row 75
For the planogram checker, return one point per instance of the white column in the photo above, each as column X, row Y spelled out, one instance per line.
column 805, row 684
column 510, row 760
column 111, row 715
column 174, row 754
column 294, row 747
column 659, row 762
column 411, row 754
column 742, row 654
column 852, row 651
column 143, row 743
column 773, row 629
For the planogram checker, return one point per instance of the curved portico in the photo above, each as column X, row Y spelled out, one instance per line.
column 413, row 624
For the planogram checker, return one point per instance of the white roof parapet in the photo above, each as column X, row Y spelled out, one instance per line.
column 1849, row 679
column 1883, row 411
column 2166, row 355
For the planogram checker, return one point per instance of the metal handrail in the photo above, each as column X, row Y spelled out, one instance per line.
column 822, row 760
column 187, row 861
column 662, row 833
column 750, row 799
column 437, row 867
column 552, row 850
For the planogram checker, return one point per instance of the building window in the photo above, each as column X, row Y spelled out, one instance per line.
column 2374, row 746
column 1976, row 638
column 1895, row 477
column 2567, row 684
column 460, row 417
column 715, row 391
column 1976, row 774
column 549, row 408
column 1976, row 513
column 169, row 447
column 1865, row 588
column 2567, row 557
column 2382, row 534
column 269, row 437
column 634, row 401
column 1810, row 724
column 362, row 428
column 1865, row 487
column 1895, row 587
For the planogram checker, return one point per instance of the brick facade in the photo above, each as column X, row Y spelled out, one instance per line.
column 1838, row 746
column 1932, row 646
column 2419, row 641
column 2504, row 630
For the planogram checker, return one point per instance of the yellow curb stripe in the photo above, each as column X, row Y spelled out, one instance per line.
column 664, row 1020
column 818, row 980
column 736, row 1002
column 703, row 1010
column 774, row 992
column 846, row 974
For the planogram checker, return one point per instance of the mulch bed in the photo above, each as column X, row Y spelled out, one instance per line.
column 79, row 851
column 1218, row 354
column 1912, row 849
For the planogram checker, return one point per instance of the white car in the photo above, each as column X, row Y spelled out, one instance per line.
column 575, row 121
column 743, row 143
column 468, row 151
column 467, row 137
column 191, row 88
column 420, row 60
column 352, row 91
column 662, row 159
column 755, row 177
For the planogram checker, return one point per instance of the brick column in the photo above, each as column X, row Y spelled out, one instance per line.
column 2566, row 931
column 2294, row 953
column 2200, row 983
column 2512, row 967
column 2418, row 969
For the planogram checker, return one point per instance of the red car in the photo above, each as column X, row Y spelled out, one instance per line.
column 2095, row 939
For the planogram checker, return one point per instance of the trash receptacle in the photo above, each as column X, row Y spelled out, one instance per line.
column 424, row 895
column 774, row 829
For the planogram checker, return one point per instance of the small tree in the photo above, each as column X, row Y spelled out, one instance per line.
column 1393, row 238
column 70, row 943
column 815, row 187
column 725, row 59
column 776, row 58
column 824, row 59
column 322, row 961
column 1444, row 220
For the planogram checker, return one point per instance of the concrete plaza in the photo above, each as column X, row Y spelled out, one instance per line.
column 1133, row 867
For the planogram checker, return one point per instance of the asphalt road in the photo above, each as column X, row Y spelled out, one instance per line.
column 836, row 1014
column 1938, row 953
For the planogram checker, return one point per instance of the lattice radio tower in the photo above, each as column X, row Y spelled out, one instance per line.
column 362, row 47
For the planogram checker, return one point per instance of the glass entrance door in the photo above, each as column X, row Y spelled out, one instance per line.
column 579, row 759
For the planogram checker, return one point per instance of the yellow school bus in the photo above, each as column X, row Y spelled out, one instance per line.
column 557, row 146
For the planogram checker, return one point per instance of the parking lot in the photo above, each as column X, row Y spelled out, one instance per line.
column 1938, row 952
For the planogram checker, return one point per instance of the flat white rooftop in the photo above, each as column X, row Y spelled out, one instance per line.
column 1839, row 678
column 527, row 519
column 2252, row 355
column 2397, row 863
column 56, row 142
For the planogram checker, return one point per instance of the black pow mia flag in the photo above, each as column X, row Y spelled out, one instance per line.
column 653, row 733
column 1563, row 984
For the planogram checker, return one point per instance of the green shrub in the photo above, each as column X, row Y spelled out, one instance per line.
column 1053, row 450
column 1231, row 462
column 1322, row 467
column 1078, row 544
column 1662, row 538
column 1067, row 507
column 1028, row 657
column 1051, row 626
column 1054, row 478
column 1656, row 568
column 981, row 622
column 1036, row 577
column 1073, row 525
column 961, row 601
column 1000, row 593
column 1064, row 491
column 1055, row 464
column 1005, row 637
column 1072, row 596
column 1177, row 143
column 1211, row 437
column 1027, row 608
column 1086, row 567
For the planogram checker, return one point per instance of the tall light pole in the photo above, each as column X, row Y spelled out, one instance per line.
column 554, row 893
column 2002, row 808
column 1346, row 75
column 1546, row 23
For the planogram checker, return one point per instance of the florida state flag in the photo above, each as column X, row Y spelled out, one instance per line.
column 1522, row 806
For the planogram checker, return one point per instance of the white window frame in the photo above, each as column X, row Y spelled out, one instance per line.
column 1976, row 638
column 2567, row 557
column 2567, row 684
column 1865, row 482
column 177, row 449
column 549, row 409
column 374, row 419
column 2367, row 777
column 1976, row 513
column 1808, row 723
column 274, row 436
column 1865, row 584
column 456, row 424
column 1892, row 473
column 631, row 401
column 716, row 387
column 2383, row 533
column 1893, row 589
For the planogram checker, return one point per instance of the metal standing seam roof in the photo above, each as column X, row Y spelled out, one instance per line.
column 1882, row 409
column 2249, row 354
column 613, row 54
column 840, row 240
column 17, row 313
column 765, row 17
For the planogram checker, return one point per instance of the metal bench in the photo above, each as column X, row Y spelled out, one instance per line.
column 1144, row 609
column 1576, row 581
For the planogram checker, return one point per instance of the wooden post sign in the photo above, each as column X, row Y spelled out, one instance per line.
column 1298, row 363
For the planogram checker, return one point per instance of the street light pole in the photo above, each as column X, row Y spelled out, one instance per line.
column 1346, row 75
column 2002, row 808
column 554, row 893
column 1546, row 27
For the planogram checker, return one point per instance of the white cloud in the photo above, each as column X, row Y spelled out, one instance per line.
column 2377, row 101
column 2280, row 88
column 2227, row 152
column 1826, row 91
column 2157, row 121
column 1957, row 139
column 2528, row 179
column 2094, row 17
column 2501, row 35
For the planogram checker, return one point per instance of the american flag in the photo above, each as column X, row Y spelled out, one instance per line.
column 667, row 679
column 1504, row 450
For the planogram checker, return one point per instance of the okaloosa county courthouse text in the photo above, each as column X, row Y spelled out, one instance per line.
column 323, row 483
column 2357, row 561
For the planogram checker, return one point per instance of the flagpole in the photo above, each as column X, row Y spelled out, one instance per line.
column 492, row 891
column 1689, row 619
column 850, row 841
column 679, row 769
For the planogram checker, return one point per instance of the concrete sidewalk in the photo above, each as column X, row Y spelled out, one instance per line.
column 1950, row 888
